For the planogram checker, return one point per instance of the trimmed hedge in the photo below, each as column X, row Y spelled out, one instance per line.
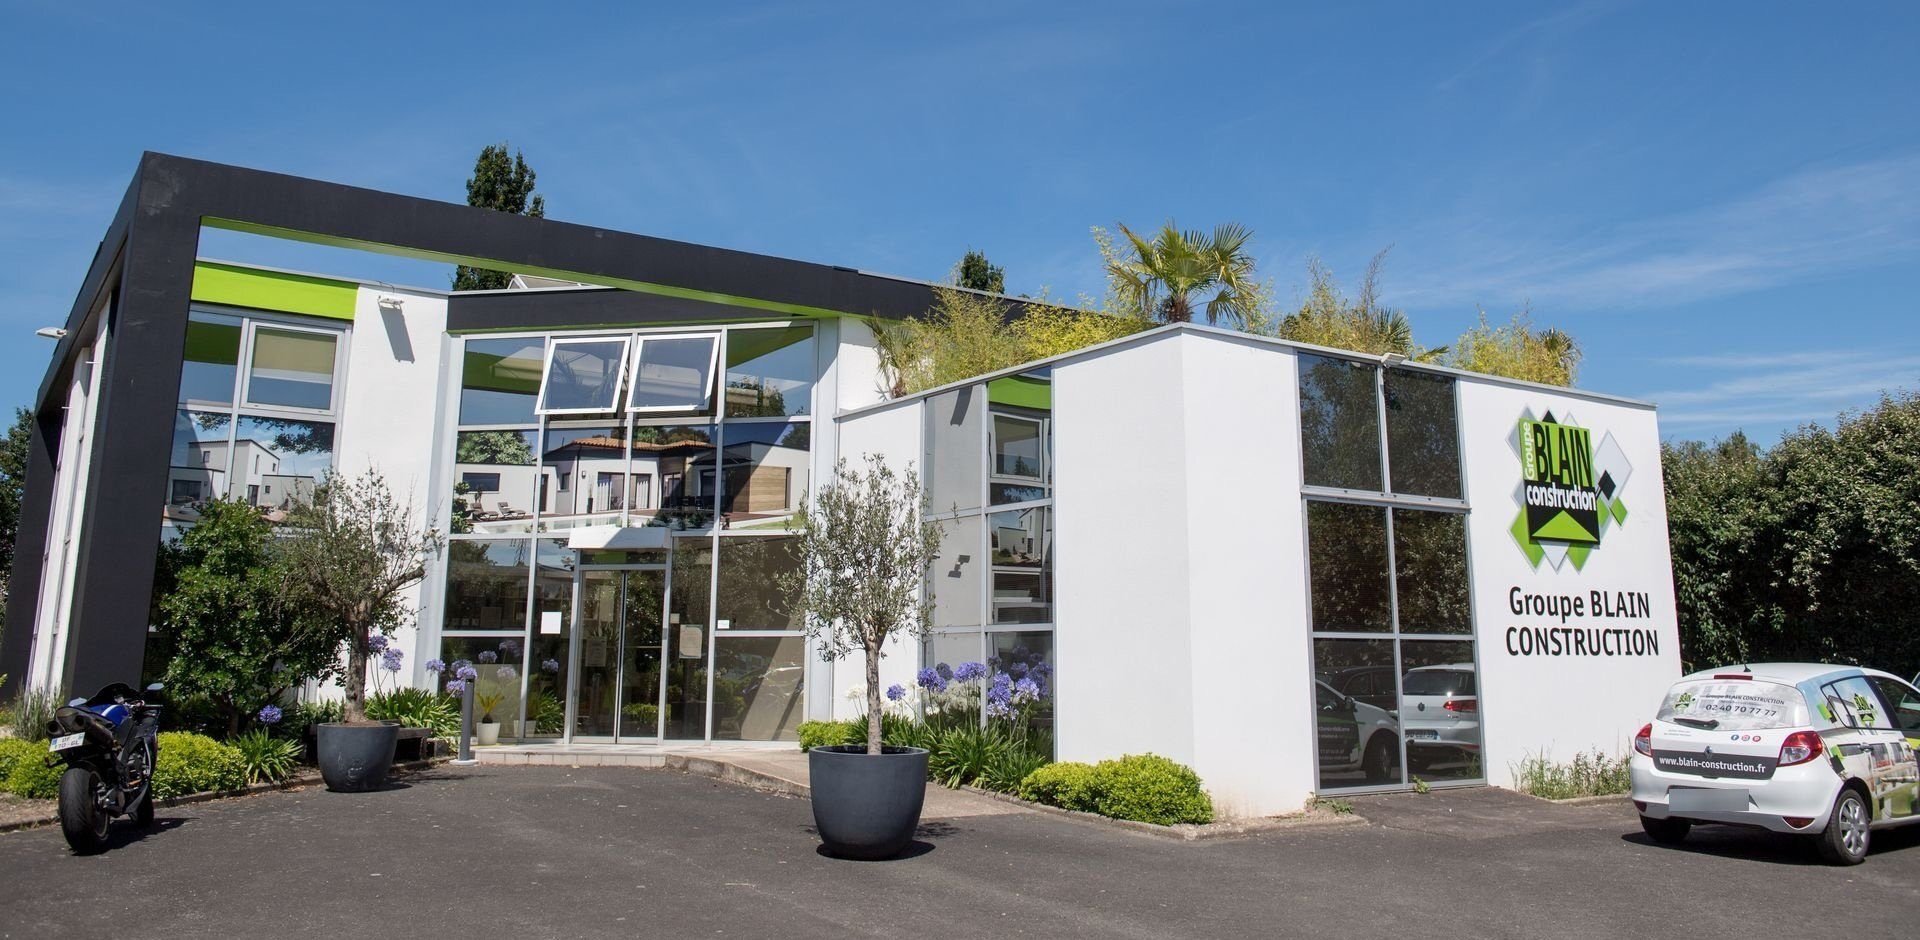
column 1142, row 787
column 828, row 733
column 24, row 770
column 192, row 763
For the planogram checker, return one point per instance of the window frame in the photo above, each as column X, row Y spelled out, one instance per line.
column 705, row 407
column 546, row 374
column 250, row 345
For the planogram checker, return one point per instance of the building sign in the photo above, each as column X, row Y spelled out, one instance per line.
column 1570, row 491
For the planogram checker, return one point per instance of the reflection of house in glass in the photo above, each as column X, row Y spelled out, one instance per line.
column 254, row 475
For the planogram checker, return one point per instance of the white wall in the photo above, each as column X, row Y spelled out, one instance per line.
column 391, row 409
column 1576, row 701
column 894, row 434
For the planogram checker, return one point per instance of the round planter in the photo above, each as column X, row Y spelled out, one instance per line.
column 867, row 805
column 488, row 732
column 356, row 758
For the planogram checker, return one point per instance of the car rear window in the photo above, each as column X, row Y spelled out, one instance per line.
column 1439, row 682
column 1736, row 704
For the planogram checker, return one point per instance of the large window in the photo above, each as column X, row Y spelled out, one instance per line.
column 558, row 432
column 1395, row 675
column 988, row 475
column 263, row 434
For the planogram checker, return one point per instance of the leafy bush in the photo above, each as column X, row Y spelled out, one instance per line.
column 1150, row 788
column 300, row 719
column 1008, row 769
column 193, row 763
column 29, row 775
column 265, row 758
column 27, row 715
column 417, row 708
column 960, row 756
column 23, row 769
column 1068, row 785
column 1588, row 774
column 825, row 734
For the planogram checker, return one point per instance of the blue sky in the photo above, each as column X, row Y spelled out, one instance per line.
column 1722, row 201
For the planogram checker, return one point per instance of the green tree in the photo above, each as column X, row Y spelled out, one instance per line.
column 1711, row 529
column 497, row 447
column 1163, row 277
column 967, row 334
column 1518, row 351
column 14, row 449
column 502, row 184
column 230, row 642
column 975, row 272
column 1328, row 317
column 349, row 553
column 864, row 546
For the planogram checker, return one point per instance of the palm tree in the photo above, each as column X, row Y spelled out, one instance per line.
column 1162, row 276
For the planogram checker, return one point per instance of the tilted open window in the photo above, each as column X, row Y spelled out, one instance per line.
column 673, row 373
column 583, row 376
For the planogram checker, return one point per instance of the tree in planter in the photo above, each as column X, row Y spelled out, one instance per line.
column 864, row 548
column 231, row 642
column 349, row 552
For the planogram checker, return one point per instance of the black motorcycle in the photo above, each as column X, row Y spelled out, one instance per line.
column 110, row 743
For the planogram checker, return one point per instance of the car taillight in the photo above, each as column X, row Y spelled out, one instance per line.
column 1643, row 742
column 1800, row 747
column 1457, row 706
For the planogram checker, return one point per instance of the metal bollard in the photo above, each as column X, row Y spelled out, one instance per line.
column 466, row 724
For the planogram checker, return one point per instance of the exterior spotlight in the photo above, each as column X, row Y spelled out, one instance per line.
column 50, row 332
column 1393, row 359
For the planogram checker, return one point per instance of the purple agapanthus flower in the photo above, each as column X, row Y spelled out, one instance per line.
column 376, row 644
column 456, row 687
column 1026, row 690
column 390, row 660
column 967, row 672
column 467, row 673
column 269, row 715
column 896, row 692
column 1000, row 690
column 510, row 649
column 931, row 679
column 488, row 656
column 551, row 665
column 434, row 666
column 506, row 674
column 945, row 671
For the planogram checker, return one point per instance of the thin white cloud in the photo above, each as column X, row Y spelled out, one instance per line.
column 1753, row 389
column 1802, row 227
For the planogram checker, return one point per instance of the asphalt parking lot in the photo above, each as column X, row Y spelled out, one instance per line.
column 551, row 852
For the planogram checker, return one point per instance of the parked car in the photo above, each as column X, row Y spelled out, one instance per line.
column 1355, row 736
column 1373, row 685
column 1816, row 750
column 1440, row 713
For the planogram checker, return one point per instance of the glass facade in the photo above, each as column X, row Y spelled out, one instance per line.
column 557, row 432
column 272, row 448
column 988, row 475
column 1395, row 675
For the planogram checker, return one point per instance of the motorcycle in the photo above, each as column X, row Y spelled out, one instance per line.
column 110, row 743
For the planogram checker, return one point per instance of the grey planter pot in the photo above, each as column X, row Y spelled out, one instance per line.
column 867, row 805
column 356, row 758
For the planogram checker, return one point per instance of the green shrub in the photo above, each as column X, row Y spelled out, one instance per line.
column 824, row 734
column 265, row 758
column 961, row 755
column 193, row 763
column 1007, row 770
column 1068, row 785
column 1588, row 774
column 12, row 750
column 1152, row 789
column 28, row 714
column 31, row 777
column 417, row 708
column 301, row 718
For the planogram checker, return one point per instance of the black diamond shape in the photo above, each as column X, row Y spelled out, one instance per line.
column 1548, row 418
column 1606, row 485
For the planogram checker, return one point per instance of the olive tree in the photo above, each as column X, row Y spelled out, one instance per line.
column 350, row 551
column 864, row 547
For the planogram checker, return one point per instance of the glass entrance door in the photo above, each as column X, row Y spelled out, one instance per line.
column 619, row 646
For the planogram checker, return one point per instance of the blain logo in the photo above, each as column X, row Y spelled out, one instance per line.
column 1570, row 489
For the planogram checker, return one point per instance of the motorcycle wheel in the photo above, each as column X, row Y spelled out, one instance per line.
column 81, row 820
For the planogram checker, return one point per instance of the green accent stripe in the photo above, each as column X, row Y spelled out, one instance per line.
column 1022, row 392
column 273, row 290
column 644, row 287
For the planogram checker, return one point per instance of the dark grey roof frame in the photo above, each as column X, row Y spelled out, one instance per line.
column 142, row 273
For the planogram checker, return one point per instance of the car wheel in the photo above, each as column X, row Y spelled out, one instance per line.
column 1377, row 765
column 1669, row 831
column 81, row 820
column 1844, row 841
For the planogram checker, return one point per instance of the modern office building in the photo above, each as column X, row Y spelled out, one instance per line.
column 1298, row 570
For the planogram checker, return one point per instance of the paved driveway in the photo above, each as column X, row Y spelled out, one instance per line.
column 549, row 851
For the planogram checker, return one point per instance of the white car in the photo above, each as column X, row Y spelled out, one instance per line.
column 1355, row 736
column 1816, row 750
column 1440, row 712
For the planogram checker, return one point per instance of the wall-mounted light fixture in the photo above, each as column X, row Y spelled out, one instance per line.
column 51, row 332
column 1393, row 359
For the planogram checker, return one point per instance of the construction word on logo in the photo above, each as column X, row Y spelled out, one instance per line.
column 1569, row 490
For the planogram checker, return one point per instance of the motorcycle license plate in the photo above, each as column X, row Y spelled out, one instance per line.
column 65, row 741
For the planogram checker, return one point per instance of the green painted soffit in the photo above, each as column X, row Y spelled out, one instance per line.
column 273, row 290
column 490, row 264
column 1022, row 392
